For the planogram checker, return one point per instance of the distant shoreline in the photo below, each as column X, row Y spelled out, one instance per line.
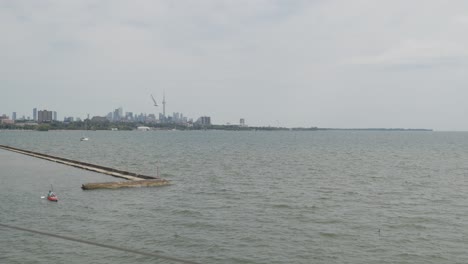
column 217, row 127
column 379, row 129
column 224, row 128
column 119, row 126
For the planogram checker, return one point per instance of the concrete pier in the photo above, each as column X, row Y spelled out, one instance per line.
column 124, row 184
column 133, row 178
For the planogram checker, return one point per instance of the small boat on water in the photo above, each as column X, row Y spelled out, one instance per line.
column 84, row 139
column 52, row 197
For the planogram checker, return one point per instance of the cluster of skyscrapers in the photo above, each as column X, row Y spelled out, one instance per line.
column 118, row 115
column 41, row 116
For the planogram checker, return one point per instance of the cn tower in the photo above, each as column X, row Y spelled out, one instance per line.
column 164, row 104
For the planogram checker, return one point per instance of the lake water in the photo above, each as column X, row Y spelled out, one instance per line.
column 241, row 197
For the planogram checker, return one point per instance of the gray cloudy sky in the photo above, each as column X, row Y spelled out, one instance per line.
column 360, row 63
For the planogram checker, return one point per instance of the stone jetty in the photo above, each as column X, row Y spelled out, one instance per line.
column 134, row 179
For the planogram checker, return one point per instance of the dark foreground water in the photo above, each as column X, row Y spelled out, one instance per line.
column 241, row 197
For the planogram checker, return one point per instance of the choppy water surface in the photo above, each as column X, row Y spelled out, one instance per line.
column 242, row 197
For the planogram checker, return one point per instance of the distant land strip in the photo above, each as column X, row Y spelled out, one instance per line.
column 378, row 129
column 90, row 124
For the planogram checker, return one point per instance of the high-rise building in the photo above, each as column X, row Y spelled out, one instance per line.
column 44, row 116
column 116, row 117
column 129, row 116
column 175, row 117
column 121, row 114
column 204, row 120
column 151, row 118
column 242, row 122
column 55, row 116
column 13, row 116
column 142, row 118
column 35, row 114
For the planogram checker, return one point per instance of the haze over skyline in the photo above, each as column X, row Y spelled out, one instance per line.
column 318, row 63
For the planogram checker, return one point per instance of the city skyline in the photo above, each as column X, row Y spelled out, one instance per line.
column 32, row 115
column 118, row 114
column 308, row 63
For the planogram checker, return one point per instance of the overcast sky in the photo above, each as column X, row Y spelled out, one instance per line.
column 360, row 63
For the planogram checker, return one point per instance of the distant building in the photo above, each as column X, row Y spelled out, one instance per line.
column 179, row 118
column 27, row 123
column 129, row 116
column 13, row 116
column 55, row 116
column 44, row 116
column 4, row 119
column 242, row 122
column 8, row 121
column 99, row 119
column 151, row 118
column 117, row 114
column 162, row 118
column 204, row 121
column 35, row 114
column 141, row 118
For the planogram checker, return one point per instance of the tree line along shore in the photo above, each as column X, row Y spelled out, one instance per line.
column 126, row 126
column 91, row 125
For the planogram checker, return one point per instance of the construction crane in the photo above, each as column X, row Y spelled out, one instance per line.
column 155, row 104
